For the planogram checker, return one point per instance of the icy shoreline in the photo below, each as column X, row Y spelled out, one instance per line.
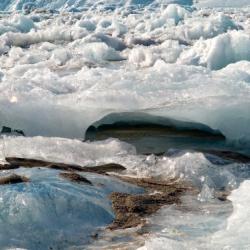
column 209, row 176
column 169, row 81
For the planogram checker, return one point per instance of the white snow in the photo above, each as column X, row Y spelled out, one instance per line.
column 218, row 52
column 175, row 12
column 16, row 23
column 29, row 5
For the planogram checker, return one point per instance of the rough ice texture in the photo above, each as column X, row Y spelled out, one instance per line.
column 237, row 223
column 203, row 222
column 50, row 212
column 220, row 51
column 196, row 168
column 198, row 235
column 60, row 73
column 17, row 23
column 64, row 150
column 75, row 5
column 27, row 5
column 64, row 68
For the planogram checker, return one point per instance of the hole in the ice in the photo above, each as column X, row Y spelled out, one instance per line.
column 9, row 131
column 154, row 134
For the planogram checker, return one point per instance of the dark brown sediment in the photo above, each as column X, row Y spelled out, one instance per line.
column 131, row 210
column 13, row 162
column 13, row 179
column 74, row 177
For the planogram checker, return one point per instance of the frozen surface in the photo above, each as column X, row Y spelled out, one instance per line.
column 77, row 5
column 61, row 72
column 237, row 223
column 211, row 232
column 39, row 206
column 222, row 3
column 65, row 150
column 50, row 212
column 202, row 170
column 220, row 51
column 66, row 64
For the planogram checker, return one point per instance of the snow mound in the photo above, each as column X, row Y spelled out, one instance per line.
column 209, row 27
column 220, row 51
column 175, row 12
column 16, row 23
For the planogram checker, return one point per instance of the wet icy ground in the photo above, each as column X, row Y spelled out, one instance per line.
column 65, row 65
column 50, row 212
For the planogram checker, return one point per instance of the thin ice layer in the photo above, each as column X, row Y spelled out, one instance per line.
column 211, row 225
column 50, row 212
column 64, row 150
column 197, row 168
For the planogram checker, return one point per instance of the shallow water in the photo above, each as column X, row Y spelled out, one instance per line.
column 51, row 213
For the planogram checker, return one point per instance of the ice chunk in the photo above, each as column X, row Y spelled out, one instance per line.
column 205, row 229
column 220, row 51
column 16, row 23
column 169, row 51
column 56, row 33
column 50, row 212
column 60, row 56
column 235, row 235
column 23, row 24
column 88, row 25
column 65, row 150
column 112, row 42
column 209, row 27
column 175, row 12
column 100, row 51
column 206, row 193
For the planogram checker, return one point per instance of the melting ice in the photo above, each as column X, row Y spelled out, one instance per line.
column 64, row 65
